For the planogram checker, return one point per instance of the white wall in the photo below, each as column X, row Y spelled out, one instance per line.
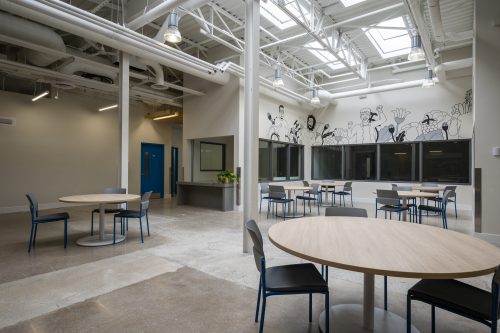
column 65, row 146
column 486, row 111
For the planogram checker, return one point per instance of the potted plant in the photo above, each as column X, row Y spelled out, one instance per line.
column 226, row 177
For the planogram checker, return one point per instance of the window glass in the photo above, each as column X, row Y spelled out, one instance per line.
column 397, row 162
column 361, row 162
column 295, row 162
column 263, row 160
column 446, row 161
column 327, row 162
column 279, row 161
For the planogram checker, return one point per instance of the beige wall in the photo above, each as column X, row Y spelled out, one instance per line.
column 211, row 176
column 65, row 146
column 487, row 111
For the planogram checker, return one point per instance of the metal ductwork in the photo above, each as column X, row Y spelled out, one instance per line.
column 159, row 75
column 27, row 31
column 437, row 25
column 74, row 67
column 82, row 23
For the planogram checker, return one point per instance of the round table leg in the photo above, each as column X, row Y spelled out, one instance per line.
column 405, row 212
column 102, row 238
column 368, row 301
column 102, row 217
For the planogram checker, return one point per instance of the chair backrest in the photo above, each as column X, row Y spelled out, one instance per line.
column 145, row 201
column 346, row 211
column 258, row 243
column 403, row 188
column 395, row 186
column 446, row 196
column 387, row 197
column 429, row 184
column 114, row 190
column 264, row 188
column 451, row 188
column 305, row 183
column 495, row 287
column 315, row 188
column 348, row 186
column 33, row 204
column 276, row 192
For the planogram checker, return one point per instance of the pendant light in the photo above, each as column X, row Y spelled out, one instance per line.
column 173, row 34
column 429, row 79
column 278, row 81
column 315, row 99
column 416, row 52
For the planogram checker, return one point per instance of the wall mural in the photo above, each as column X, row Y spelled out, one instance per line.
column 374, row 125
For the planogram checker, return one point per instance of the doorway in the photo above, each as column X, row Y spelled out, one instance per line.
column 174, row 167
column 152, row 168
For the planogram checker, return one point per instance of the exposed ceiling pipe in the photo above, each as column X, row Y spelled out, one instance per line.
column 436, row 21
column 441, row 69
column 371, row 90
column 32, row 32
column 159, row 74
column 79, row 22
column 74, row 67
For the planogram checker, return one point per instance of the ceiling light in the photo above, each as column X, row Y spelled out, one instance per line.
column 278, row 81
column 416, row 52
column 315, row 99
column 108, row 107
column 175, row 114
column 172, row 34
column 36, row 98
column 348, row 3
column 428, row 80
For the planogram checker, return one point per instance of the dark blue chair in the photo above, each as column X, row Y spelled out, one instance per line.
column 285, row 280
column 264, row 194
column 108, row 190
column 452, row 198
column 390, row 201
column 440, row 210
column 457, row 297
column 134, row 214
column 36, row 220
column 312, row 195
column 277, row 195
column 346, row 191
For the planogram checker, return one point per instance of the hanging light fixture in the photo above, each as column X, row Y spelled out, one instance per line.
column 278, row 81
column 173, row 34
column 416, row 52
column 315, row 99
column 429, row 79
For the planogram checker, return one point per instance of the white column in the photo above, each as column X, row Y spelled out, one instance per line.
column 123, row 102
column 250, row 168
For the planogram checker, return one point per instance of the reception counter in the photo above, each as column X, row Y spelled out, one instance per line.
column 209, row 195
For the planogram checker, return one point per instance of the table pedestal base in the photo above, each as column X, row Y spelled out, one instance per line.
column 348, row 318
column 97, row 241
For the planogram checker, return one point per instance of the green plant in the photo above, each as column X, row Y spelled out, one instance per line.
column 226, row 176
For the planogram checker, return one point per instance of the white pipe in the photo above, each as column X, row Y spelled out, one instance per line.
column 76, row 66
column 79, row 22
column 34, row 33
column 372, row 90
column 159, row 75
column 436, row 21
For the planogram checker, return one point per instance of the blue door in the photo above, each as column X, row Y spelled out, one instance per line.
column 174, row 167
column 152, row 168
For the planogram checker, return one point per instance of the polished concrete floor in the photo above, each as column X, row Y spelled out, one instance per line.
column 190, row 275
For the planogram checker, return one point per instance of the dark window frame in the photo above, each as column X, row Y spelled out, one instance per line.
column 288, row 168
column 223, row 155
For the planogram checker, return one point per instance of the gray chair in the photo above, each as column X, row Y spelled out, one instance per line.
column 277, row 195
column 264, row 192
column 412, row 201
column 346, row 190
column 305, row 183
column 108, row 190
column 285, row 280
column 441, row 209
column 36, row 219
column 459, row 298
column 312, row 195
column 126, row 214
column 452, row 198
column 390, row 201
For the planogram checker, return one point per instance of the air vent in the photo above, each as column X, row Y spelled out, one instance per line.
column 7, row 121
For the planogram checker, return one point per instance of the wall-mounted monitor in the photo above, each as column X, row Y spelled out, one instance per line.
column 212, row 156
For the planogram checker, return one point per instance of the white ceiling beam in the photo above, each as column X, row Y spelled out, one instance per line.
column 418, row 20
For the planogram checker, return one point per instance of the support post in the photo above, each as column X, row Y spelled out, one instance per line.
column 123, row 102
column 251, row 111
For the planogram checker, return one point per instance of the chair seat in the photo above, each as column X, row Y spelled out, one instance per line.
column 439, row 199
column 295, row 278
column 455, row 296
column 390, row 208
column 305, row 197
column 430, row 208
column 280, row 200
column 109, row 210
column 129, row 214
column 52, row 217
column 343, row 193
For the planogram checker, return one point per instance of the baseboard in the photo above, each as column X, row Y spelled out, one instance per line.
column 490, row 238
column 42, row 206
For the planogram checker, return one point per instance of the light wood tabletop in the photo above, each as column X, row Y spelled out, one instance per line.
column 100, row 198
column 384, row 247
column 297, row 188
column 332, row 183
column 417, row 194
column 429, row 188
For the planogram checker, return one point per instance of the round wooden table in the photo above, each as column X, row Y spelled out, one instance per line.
column 102, row 199
column 380, row 247
column 327, row 185
column 429, row 188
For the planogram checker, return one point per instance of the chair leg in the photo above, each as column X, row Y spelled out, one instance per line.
column 65, row 233
column 260, row 205
column 310, row 307
column 114, row 230
column 140, row 226
column 326, row 274
column 147, row 222
column 34, row 235
column 352, row 205
column 408, row 314
column 31, row 237
column 323, row 271
column 92, row 225
column 385, row 292
column 420, row 216
column 433, row 319
column 258, row 301
column 327, row 312
column 456, row 214
column 263, row 313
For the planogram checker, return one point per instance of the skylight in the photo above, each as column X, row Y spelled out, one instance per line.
column 324, row 56
column 348, row 3
column 276, row 16
column 390, row 42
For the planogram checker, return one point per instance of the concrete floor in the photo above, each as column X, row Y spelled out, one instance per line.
column 189, row 276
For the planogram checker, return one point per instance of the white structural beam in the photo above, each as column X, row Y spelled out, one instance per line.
column 123, row 102
column 418, row 19
column 251, row 116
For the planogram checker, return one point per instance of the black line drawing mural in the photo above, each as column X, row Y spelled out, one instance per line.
column 311, row 122
column 279, row 129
